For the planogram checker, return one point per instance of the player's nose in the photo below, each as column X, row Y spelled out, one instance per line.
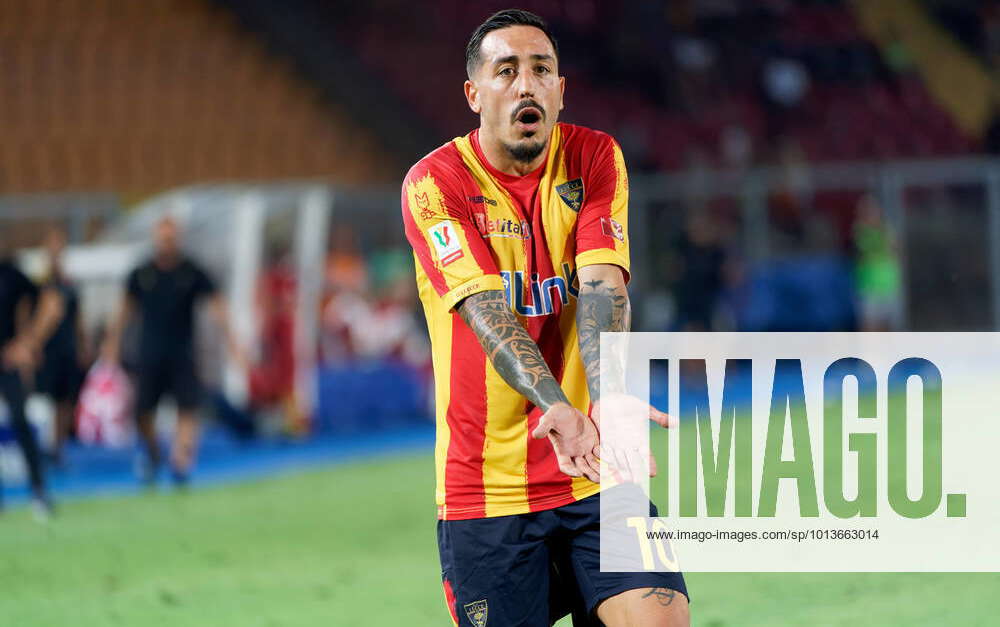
column 525, row 88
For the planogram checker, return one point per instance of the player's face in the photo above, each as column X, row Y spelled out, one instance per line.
column 166, row 238
column 55, row 243
column 517, row 90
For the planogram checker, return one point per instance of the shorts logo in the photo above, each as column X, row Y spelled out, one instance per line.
column 446, row 242
column 476, row 612
column 571, row 193
column 612, row 228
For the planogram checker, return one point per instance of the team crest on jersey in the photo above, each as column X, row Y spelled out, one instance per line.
column 571, row 193
column 476, row 611
column 446, row 242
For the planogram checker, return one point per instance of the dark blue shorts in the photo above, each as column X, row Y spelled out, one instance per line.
column 532, row 569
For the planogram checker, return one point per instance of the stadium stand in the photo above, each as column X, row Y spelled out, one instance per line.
column 690, row 74
column 138, row 97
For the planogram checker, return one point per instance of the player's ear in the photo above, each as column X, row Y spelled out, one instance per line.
column 562, row 91
column 472, row 97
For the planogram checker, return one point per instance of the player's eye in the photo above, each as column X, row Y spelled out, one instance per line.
column 507, row 71
column 542, row 69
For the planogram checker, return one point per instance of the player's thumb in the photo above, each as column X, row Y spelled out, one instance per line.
column 543, row 428
column 663, row 419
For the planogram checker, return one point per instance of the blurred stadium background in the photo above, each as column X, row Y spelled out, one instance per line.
column 802, row 165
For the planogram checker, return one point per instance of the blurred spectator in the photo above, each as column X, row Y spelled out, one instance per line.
column 272, row 378
column 696, row 269
column 877, row 271
column 791, row 202
column 163, row 292
column 736, row 147
column 66, row 354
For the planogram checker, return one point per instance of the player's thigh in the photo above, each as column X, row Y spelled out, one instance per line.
column 495, row 571
column 185, row 385
column 614, row 592
column 150, row 383
column 645, row 607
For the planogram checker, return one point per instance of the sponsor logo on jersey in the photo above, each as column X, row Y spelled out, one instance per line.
column 446, row 242
column 500, row 227
column 611, row 227
column 479, row 200
column 539, row 296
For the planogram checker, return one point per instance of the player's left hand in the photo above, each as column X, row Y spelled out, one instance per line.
column 634, row 411
column 574, row 437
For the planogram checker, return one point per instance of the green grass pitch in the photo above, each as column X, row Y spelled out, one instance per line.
column 355, row 546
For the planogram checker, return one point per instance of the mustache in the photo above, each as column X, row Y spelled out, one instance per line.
column 524, row 104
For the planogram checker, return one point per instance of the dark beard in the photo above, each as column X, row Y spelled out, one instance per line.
column 525, row 153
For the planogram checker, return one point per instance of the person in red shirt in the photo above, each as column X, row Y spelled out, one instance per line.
column 520, row 234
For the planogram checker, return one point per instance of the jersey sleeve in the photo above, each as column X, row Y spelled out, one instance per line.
column 132, row 288
column 445, row 240
column 204, row 285
column 26, row 288
column 602, row 228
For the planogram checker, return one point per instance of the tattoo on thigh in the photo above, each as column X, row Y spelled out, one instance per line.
column 664, row 596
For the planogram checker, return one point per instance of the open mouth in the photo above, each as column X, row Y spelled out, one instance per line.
column 530, row 115
column 528, row 120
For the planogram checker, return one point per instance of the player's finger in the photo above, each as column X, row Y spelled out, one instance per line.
column 566, row 464
column 652, row 464
column 584, row 468
column 594, row 464
column 663, row 419
column 568, row 467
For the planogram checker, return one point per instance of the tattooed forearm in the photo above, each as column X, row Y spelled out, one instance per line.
column 663, row 596
column 601, row 307
column 513, row 353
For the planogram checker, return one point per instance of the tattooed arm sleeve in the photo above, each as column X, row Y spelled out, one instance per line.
column 510, row 349
column 603, row 305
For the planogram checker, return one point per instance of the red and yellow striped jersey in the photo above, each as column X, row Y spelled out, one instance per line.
column 474, row 228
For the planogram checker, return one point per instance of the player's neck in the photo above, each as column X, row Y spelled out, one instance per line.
column 501, row 159
column 167, row 261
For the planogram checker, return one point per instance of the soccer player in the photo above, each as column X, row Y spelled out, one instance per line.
column 519, row 230
column 164, row 292
column 27, row 318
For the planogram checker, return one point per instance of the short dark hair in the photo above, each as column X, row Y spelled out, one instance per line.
column 503, row 19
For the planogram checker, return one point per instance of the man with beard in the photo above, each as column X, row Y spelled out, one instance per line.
column 519, row 230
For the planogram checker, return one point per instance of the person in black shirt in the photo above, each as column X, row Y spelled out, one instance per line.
column 24, row 328
column 65, row 354
column 163, row 292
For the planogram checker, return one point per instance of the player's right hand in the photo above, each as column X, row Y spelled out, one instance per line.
column 574, row 437
column 18, row 354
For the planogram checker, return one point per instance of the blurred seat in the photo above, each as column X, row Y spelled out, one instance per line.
column 139, row 97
